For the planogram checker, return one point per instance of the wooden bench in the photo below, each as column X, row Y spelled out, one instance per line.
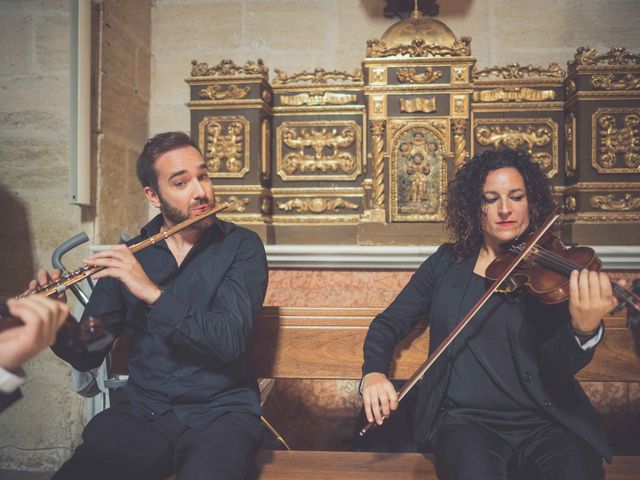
column 326, row 343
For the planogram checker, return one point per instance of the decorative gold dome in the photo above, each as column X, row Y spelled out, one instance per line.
column 418, row 27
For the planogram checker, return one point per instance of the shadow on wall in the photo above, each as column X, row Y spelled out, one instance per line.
column 400, row 8
column 16, row 258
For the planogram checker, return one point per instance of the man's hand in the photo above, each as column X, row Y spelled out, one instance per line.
column 43, row 277
column 119, row 263
column 590, row 299
column 41, row 317
column 379, row 396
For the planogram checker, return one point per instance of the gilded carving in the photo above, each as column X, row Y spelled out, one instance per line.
column 459, row 141
column 316, row 205
column 570, row 158
column 265, row 148
column 319, row 148
column 608, row 82
column 225, row 143
column 460, row 74
column 409, row 75
column 236, row 204
column 319, row 98
column 227, row 67
column 319, row 75
column 412, row 105
column 517, row 94
column 498, row 135
column 514, row 70
column 377, row 106
column 611, row 202
column 611, row 217
column 266, row 96
column 214, row 92
column 265, row 205
column 570, row 89
column 419, row 48
column 616, row 56
column 378, row 76
column 377, row 154
column 570, row 204
column 459, row 105
column 612, row 141
column 418, row 173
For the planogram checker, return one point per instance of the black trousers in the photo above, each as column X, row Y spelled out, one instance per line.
column 120, row 443
column 465, row 450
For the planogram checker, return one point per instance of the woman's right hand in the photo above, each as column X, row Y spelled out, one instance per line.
column 379, row 395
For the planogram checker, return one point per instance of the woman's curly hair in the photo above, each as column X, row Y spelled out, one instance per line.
column 463, row 215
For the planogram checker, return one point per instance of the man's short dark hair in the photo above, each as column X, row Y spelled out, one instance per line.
column 156, row 146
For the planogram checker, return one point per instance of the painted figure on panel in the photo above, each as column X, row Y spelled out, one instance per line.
column 419, row 154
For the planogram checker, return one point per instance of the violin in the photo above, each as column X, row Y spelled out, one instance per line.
column 88, row 336
column 545, row 272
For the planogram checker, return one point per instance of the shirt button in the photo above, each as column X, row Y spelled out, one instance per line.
column 527, row 377
column 547, row 403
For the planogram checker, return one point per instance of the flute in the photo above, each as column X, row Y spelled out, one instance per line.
column 70, row 278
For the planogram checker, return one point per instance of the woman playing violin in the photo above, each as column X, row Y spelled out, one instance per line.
column 502, row 401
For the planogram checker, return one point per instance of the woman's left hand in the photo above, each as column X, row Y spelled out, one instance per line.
column 590, row 299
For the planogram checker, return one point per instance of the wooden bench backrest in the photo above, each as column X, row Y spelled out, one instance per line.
column 326, row 343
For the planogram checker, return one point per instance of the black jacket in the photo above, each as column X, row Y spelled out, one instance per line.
column 7, row 399
column 545, row 350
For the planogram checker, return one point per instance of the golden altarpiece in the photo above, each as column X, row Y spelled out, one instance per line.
column 364, row 157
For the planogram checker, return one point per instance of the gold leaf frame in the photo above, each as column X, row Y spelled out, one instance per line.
column 506, row 122
column 202, row 141
column 265, row 149
column 570, row 145
column 357, row 144
column 595, row 130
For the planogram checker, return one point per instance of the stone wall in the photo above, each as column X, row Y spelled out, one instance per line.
column 40, row 431
column 296, row 35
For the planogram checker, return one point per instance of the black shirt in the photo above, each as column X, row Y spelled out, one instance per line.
column 186, row 350
column 485, row 386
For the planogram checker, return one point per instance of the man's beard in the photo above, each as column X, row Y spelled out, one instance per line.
column 175, row 216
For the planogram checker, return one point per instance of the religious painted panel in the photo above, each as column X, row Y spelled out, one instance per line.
column 418, row 171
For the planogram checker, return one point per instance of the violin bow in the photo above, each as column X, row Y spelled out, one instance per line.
column 431, row 359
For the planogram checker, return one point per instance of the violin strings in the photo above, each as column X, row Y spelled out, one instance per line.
column 556, row 260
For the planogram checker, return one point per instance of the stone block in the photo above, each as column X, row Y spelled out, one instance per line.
column 538, row 25
column 288, row 25
column 133, row 16
column 118, row 55
column 37, row 105
column 169, row 71
column 52, row 43
column 124, row 112
column 16, row 42
column 36, row 165
column 168, row 117
column 611, row 24
column 142, row 72
column 187, row 25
